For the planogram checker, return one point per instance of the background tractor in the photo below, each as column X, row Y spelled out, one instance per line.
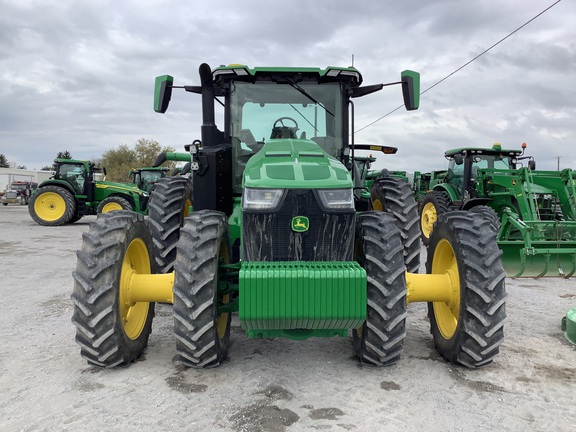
column 277, row 226
column 145, row 178
column 73, row 193
column 533, row 211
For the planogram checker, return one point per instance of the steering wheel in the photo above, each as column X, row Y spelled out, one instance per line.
column 281, row 121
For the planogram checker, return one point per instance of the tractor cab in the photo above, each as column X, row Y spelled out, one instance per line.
column 72, row 172
column 145, row 178
column 464, row 163
column 297, row 120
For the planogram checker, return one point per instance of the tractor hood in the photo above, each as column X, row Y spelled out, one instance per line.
column 125, row 187
column 295, row 164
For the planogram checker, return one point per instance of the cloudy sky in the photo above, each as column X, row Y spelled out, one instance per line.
column 79, row 75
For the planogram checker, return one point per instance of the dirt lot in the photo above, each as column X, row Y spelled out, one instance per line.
column 267, row 385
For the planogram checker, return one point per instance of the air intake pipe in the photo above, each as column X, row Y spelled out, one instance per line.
column 208, row 117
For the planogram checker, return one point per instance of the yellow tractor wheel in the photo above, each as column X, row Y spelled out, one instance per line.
column 468, row 327
column 52, row 206
column 113, row 310
column 432, row 205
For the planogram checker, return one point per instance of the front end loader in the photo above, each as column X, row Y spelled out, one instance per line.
column 532, row 211
column 276, row 226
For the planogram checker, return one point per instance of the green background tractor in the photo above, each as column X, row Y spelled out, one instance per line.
column 275, row 225
column 146, row 177
column 73, row 193
column 533, row 211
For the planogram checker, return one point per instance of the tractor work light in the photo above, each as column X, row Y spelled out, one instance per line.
column 261, row 199
column 336, row 199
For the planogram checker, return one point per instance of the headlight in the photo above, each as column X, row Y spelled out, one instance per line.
column 336, row 199
column 261, row 199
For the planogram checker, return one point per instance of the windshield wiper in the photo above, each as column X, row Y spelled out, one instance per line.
column 305, row 93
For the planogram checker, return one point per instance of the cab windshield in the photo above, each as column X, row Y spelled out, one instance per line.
column 264, row 111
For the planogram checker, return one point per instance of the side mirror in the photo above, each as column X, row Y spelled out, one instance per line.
column 458, row 159
column 162, row 93
column 532, row 164
column 411, row 89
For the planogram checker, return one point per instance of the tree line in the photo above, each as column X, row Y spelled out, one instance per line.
column 118, row 161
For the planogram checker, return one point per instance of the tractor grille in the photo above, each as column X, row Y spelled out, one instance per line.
column 269, row 236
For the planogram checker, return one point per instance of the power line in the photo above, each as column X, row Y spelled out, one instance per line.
column 465, row 64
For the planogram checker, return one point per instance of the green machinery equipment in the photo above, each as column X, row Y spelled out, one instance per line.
column 279, row 229
column 533, row 211
column 146, row 177
column 73, row 193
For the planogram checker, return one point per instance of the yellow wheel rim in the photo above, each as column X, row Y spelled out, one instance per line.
column 134, row 315
column 112, row 206
column 378, row 205
column 447, row 313
column 50, row 206
column 427, row 219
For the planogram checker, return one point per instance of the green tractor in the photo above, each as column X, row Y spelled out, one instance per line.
column 73, row 193
column 533, row 212
column 279, row 229
column 145, row 178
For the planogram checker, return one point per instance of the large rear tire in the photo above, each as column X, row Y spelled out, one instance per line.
column 468, row 330
column 52, row 206
column 395, row 196
column 432, row 206
column 202, row 333
column 109, row 329
column 379, row 251
column 169, row 205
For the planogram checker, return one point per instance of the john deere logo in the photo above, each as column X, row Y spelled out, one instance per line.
column 300, row 224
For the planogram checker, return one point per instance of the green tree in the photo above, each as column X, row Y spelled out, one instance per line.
column 4, row 162
column 64, row 155
column 118, row 162
column 61, row 155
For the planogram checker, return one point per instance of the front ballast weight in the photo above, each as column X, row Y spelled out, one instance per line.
column 115, row 289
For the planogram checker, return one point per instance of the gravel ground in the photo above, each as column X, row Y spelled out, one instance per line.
column 267, row 385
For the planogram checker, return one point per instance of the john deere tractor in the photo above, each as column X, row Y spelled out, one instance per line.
column 73, row 193
column 277, row 226
column 533, row 211
column 145, row 178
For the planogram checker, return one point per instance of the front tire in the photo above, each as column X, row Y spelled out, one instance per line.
column 52, row 206
column 379, row 251
column 468, row 330
column 113, row 203
column 394, row 195
column 202, row 333
column 110, row 330
column 169, row 205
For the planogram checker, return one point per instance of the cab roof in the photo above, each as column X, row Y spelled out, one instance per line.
column 239, row 72
column 495, row 150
